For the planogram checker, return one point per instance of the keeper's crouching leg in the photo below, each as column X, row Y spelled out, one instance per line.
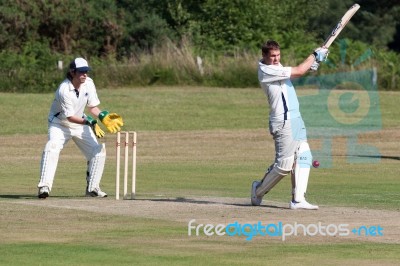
column 49, row 163
column 95, row 172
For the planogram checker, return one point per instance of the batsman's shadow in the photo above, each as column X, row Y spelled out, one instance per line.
column 204, row 201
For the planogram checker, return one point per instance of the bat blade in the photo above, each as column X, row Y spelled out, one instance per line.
column 341, row 24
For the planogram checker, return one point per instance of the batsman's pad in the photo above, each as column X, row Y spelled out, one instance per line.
column 302, row 171
column 275, row 174
column 113, row 121
column 96, row 167
column 48, row 165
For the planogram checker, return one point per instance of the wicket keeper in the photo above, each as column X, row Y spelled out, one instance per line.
column 67, row 121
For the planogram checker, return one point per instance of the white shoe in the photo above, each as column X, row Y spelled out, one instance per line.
column 97, row 193
column 302, row 205
column 44, row 192
column 255, row 201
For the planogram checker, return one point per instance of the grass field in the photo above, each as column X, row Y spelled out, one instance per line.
column 199, row 149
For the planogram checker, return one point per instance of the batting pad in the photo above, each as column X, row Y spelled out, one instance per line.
column 302, row 171
column 274, row 175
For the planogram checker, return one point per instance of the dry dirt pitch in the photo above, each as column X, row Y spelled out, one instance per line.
column 228, row 210
column 152, row 147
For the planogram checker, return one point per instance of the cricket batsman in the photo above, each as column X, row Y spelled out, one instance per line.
column 67, row 121
column 292, row 152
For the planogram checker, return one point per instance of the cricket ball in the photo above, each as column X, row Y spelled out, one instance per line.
column 315, row 164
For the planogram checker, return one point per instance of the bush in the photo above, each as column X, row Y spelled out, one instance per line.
column 35, row 70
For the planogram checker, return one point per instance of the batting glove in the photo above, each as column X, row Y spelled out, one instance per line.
column 314, row 66
column 321, row 54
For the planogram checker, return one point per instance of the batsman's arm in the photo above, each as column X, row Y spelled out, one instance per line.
column 303, row 68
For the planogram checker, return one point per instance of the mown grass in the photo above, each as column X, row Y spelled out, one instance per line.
column 44, row 237
column 170, row 108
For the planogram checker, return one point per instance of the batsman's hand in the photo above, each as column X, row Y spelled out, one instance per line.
column 113, row 121
column 321, row 54
column 90, row 121
column 314, row 66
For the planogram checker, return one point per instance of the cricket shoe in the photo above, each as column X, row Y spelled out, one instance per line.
column 294, row 205
column 255, row 201
column 44, row 192
column 96, row 193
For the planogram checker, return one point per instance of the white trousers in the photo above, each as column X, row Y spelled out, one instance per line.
column 58, row 137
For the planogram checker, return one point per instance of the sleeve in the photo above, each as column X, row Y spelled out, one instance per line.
column 93, row 99
column 66, row 104
column 271, row 73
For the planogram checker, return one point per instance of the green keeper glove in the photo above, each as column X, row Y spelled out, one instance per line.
column 113, row 121
column 90, row 121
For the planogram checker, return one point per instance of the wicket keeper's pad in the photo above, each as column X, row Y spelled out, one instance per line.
column 48, row 164
column 302, row 171
column 279, row 170
column 96, row 167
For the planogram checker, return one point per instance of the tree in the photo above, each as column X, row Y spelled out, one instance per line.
column 19, row 22
column 375, row 23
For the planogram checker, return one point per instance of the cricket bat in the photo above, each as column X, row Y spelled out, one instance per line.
column 341, row 24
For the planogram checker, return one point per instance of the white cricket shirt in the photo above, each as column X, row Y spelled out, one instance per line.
column 66, row 102
column 282, row 98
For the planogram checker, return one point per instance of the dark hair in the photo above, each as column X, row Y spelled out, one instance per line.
column 270, row 45
column 68, row 75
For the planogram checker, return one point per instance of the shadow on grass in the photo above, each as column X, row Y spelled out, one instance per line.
column 18, row 196
column 9, row 196
column 177, row 200
column 370, row 156
column 380, row 157
column 196, row 201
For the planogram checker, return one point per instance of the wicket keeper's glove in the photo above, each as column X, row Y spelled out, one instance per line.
column 113, row 121
column 90, row 121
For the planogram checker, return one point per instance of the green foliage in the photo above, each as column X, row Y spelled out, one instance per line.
column 389, row 70
column 126, row 34
column 228, row 72
column 143, row 28
column 375, row 23
column 32, row 70
column 19, row 23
